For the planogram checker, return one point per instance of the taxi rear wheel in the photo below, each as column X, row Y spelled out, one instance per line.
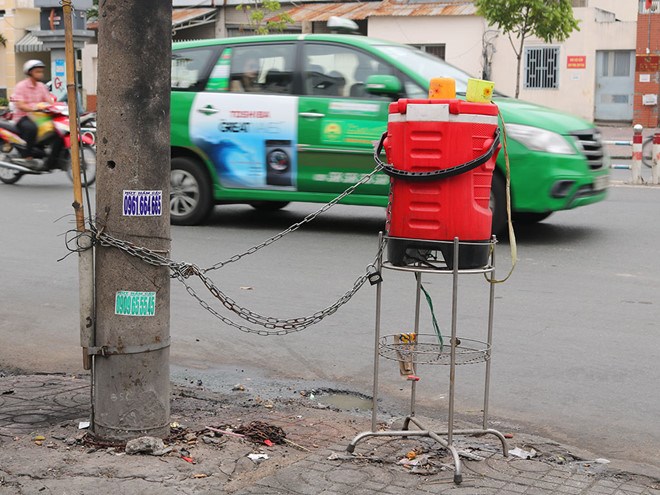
column 191, row 200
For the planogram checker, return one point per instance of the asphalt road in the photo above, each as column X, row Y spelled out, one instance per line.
column 575, row 340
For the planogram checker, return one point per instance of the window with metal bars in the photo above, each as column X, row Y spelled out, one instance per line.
column 541, row 67
column 436, row 50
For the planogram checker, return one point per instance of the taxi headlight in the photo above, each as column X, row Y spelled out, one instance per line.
column 538, row 139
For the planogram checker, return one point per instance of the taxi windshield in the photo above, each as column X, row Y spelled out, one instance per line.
column 426, row 65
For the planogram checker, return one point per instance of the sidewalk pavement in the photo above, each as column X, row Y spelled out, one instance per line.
column 42, row 451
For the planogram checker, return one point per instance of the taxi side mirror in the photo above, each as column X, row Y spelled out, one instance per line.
column 383, row 85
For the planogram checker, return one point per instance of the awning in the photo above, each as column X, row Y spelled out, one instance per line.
column 187, row 18
column 181, row 18
column 29, row 43
column 363, row 10
column 323, row 11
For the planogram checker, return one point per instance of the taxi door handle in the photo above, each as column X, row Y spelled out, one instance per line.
column 312, row 115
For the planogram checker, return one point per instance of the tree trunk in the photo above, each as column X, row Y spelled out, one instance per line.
column 519, row 55
column 519, row 58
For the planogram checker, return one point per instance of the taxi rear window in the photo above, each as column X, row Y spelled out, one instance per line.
column 190, row 68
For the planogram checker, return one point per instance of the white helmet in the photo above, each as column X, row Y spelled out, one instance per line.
column 32, row 64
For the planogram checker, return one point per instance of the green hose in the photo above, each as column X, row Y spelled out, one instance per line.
column 436, row 327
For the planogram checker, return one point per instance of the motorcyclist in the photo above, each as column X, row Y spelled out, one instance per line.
column 30, row 95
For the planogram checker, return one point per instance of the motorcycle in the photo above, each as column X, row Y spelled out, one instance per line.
column 88, row 126
column 52, row 124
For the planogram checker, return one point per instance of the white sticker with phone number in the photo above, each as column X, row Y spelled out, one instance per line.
column 143, row 203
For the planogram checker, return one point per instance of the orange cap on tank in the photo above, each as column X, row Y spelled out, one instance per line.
column 442, row 88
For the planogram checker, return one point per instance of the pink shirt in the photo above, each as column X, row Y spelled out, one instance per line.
column 29, row 93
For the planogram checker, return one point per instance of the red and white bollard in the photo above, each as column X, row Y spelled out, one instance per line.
column 636, row 165
column 656, row 158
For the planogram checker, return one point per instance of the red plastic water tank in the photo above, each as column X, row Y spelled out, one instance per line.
column 427, row 139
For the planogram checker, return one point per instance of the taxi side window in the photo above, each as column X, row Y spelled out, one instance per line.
column 340, row 71
column 254, row 69
column 414, row 90
column 190, row 68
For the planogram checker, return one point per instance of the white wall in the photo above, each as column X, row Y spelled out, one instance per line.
column 575, row 93
column 13, row 26
column 463, row 35
column 625, row 10
column 89, row 67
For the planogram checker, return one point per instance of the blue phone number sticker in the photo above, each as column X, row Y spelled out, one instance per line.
column 143, row 203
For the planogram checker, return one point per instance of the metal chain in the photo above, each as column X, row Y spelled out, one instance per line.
column 273, row 326
column 297, row 225
column 147, row 255
column 224, row 319
column 388, row 214
column 156, row 259
column 443, row 173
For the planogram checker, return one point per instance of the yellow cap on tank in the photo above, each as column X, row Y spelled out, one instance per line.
column 479, row 91
column 442, row 88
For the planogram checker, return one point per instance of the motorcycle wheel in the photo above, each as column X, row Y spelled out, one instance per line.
column 9, row 176
column 87, row 166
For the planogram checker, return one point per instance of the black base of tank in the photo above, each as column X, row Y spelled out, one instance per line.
column 403, row 252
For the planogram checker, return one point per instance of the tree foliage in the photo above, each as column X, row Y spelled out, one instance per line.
column 265, row 16
column 93, row 13
column 549, row 20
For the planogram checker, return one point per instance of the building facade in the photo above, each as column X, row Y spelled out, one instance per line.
column 606, row 71
column 18, row 18
column 647, row 65
column 34, row 29
column 593, row 74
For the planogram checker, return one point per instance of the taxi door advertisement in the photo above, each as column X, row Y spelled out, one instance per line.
column 251, row 139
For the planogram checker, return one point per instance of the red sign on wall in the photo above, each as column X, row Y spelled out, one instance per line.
column 647, row 63
column 576, row 62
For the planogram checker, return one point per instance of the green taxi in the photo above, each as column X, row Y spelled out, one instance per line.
column 267, row 120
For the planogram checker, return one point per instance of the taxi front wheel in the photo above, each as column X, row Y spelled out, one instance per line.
column 498, row 204
column 191, row 199
column 530, row 218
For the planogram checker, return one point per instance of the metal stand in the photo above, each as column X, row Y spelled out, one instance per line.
column 426, row 349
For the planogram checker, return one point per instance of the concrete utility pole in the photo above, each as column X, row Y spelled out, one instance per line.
column 130, row 375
